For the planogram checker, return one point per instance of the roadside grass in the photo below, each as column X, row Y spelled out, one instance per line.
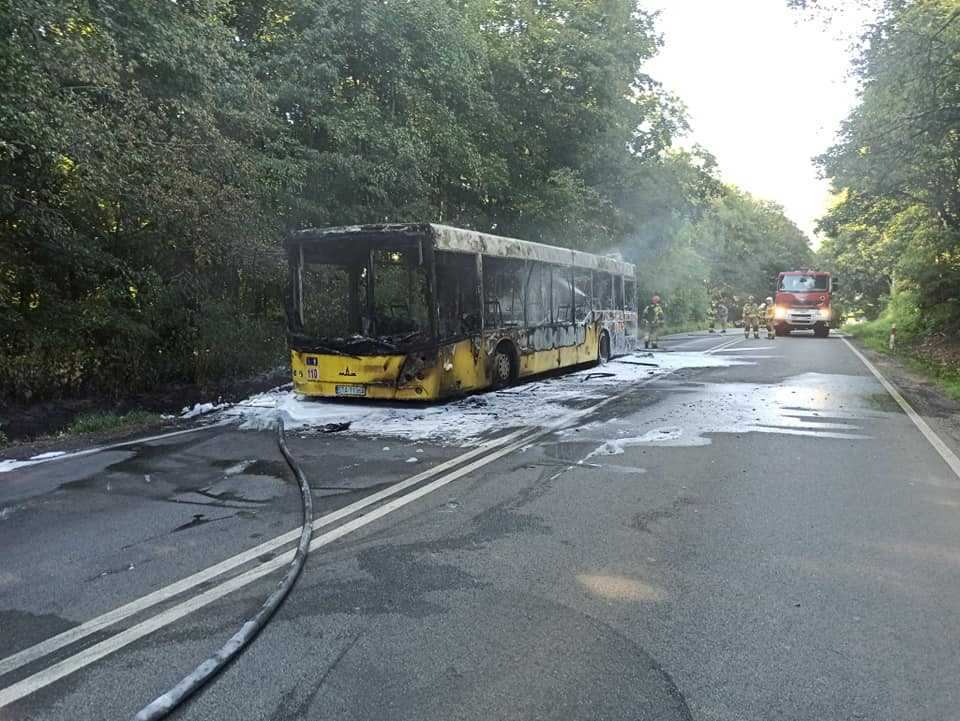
column 99, row 421
column 875, row 335
column 685, row 327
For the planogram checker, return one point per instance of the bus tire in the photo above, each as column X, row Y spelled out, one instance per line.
column 821, row 331
column 502, row 366
column 603, row 350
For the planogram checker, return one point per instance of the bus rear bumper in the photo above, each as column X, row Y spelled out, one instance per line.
column 393, row 377
column 375, row 391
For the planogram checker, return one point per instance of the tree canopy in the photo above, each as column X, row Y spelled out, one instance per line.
column 896, row 167
column 152, row 155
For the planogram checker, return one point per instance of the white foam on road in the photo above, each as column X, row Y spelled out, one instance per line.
column 460, row 421
column 616, row 446
column 815, row 405
column 201, row 409
column 11, row 465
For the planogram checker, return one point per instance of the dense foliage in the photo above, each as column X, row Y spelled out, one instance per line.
column 894, row 233
column 153, row 154
column 733, row 247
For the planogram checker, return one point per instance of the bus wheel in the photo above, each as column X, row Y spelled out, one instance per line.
column 502, row 368
column 821, row 331
column 603, row 354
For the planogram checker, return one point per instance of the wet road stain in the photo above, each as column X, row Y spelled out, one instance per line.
column 882, row 402
column 23, row 628
column 131, row 566
column 817, row 405
column 229, row 496
column 148, row 458
column 348, row 492
column 277, row 469
column 201, row 519
column 490, row 638
column 255, row 467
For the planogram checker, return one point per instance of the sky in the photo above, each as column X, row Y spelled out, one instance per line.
column 766, row 89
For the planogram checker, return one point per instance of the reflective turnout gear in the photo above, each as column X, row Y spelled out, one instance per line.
column 751, row 318
column 718, row 316
column 769, row 318
column 652, row 317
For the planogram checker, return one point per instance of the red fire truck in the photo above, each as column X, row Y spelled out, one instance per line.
column 803, row 302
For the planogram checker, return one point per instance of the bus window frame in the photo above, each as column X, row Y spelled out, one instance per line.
column 366, row 260
column 346, row 244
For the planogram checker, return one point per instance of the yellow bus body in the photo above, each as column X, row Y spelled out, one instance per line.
column 453, row 369
column 456, row 306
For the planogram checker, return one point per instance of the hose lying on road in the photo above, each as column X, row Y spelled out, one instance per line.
column 167, row 702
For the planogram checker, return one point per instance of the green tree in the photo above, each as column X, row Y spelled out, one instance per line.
column 138, row 166
column 897, row 165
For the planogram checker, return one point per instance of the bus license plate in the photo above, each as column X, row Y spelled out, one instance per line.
column 351, row 390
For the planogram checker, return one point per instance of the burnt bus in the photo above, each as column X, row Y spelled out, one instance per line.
column 426, row 311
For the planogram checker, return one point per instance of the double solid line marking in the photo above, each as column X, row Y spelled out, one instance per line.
column 370, row 508
column 442, row 474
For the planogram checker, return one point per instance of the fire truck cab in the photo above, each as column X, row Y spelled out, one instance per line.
column 803, row 302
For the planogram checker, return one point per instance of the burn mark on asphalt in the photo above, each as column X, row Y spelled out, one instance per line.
column 643, row 520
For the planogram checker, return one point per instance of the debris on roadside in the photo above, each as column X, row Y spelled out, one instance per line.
column 636, row 363
column 590, row 376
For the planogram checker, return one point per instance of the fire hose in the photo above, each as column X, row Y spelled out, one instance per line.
column 161, row 706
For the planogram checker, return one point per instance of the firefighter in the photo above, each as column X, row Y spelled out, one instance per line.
column 769, row 316
column 751, row 318
column 653, row 320
column 718, row 316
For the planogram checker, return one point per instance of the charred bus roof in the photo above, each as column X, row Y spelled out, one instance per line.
column 456, row 240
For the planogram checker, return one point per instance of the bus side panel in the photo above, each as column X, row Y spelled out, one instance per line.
column 552, row 347
column 463, row 366
column 621, row 326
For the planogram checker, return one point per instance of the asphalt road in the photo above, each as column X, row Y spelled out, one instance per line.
column 773, row 539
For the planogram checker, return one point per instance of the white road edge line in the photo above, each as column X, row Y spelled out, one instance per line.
column 104, row 648
column 72, row 635
column 699, row 339
column 723, row 346
column 54, row 643
column 83, row 658
column 29, row 463
column 948, row 455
